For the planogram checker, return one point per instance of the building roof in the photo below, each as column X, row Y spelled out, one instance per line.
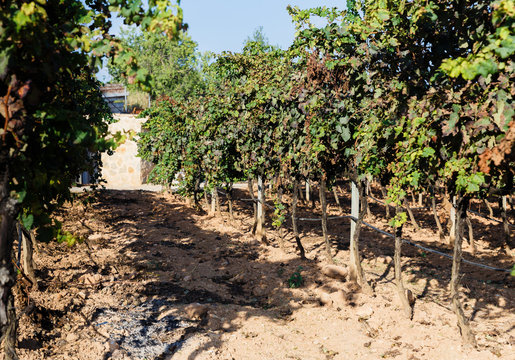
column 113, row 90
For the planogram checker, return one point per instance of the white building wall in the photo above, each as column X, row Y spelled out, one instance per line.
column 123, row 169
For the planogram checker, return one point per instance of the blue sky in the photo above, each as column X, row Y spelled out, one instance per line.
column 219, row 25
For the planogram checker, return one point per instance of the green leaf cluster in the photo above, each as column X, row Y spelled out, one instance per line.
column 415, row 94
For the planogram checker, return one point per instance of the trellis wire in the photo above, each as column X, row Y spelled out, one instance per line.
column 382, row 202
column 431, row 250
column 254, row 200
column 426, row 207
column 257, row 200
column 409, row 242
column 488, row 217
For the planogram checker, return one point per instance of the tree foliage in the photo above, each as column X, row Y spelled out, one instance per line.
column 172, row 63
column 52, row 110
column 53, row 119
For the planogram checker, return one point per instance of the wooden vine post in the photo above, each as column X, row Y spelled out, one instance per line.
column 466, row 332
column 356, row 273
column 260, row 226
column 366, row 203
column 214, row 197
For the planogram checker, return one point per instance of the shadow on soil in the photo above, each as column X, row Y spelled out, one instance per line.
column 173, row 261
column 181, row 263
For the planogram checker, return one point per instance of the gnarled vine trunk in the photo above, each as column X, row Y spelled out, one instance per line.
column 280, row 229
column 294, row 218
column 301, row 196
column 506, row 227
column 196, row 191
column 435, row 214
column 250, row 184
column 489, row 207
column 217, row 202
column 336, row 197
column 26, row 242
column 401, row 291
column 411, row 216
column 472, row 243
column 323, row 202
column 8, row 212
column 229, row 196
column 386, row 205
column 466, row 332
column 452, row 229
column 206, row 200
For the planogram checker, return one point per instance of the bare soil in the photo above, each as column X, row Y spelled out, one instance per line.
column 157, row 279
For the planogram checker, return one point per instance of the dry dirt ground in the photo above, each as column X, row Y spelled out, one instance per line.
column 156, row 279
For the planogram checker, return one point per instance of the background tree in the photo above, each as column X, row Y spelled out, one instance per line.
column 172, row 63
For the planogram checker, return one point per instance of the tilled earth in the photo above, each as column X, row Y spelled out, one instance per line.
column 156, row 279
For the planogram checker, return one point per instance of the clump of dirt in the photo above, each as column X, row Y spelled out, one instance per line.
column 156, row 279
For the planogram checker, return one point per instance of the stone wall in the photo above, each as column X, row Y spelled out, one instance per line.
column 123, row 169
